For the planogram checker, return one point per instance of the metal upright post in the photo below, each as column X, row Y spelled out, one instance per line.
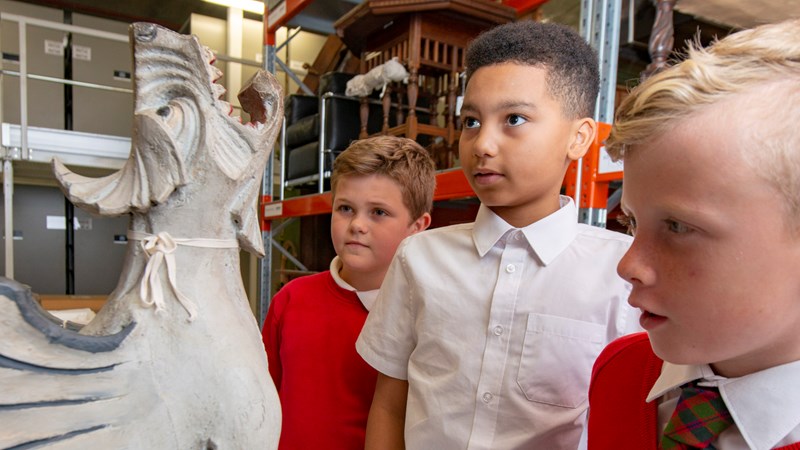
column 8, row 190
column 599, row 25
column 8, row 194
column 265, row 264
column 284, row 11
column 69, row 208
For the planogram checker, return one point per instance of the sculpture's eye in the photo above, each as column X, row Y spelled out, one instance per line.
column 164, row 111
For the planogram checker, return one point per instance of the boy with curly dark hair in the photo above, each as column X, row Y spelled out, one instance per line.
column 485, row 333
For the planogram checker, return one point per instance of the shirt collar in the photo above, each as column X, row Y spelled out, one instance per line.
column 674, row 376
column 548, row 236
column 751, row 399
column 367, row 298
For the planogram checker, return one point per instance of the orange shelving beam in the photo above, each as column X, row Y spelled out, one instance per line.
column 452, row 184
column 523, row 6
column 594, row 184
column 279, row 16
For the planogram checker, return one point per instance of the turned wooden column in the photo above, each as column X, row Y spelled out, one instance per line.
column 414, row 40
column 433, row 102
column 661, row 39
column 399, row 115
column 452, row 90
column 364, row 106
column 387, row 106
column 364, row 117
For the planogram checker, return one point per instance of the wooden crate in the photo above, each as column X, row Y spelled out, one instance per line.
column 58, row 302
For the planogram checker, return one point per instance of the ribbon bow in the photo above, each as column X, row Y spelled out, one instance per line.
column 159, row 249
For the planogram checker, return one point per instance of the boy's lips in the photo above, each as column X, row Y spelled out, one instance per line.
column 649, row 321
column 486, row 176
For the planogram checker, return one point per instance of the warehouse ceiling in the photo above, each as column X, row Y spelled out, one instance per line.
column 320, row 15
column 741, row 13
column 705, row 19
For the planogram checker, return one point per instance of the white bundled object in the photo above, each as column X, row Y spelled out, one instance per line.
column 379, row 77
column 80, row 315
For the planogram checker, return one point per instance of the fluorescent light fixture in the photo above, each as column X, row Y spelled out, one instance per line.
column 252, row 6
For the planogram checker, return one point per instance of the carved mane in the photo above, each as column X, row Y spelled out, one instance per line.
column 174, row 87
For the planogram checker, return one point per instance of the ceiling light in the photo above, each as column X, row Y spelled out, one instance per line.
column 252, row 6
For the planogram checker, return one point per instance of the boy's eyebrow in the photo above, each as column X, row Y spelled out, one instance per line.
column 508, row 104
column 371, row 204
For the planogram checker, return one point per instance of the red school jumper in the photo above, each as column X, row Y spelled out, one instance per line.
column 324, row 385
column 622, row 377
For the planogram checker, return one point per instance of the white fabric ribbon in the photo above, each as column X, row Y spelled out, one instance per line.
column 158, row 249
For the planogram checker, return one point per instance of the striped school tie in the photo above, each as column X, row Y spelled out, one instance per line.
column 699, row 417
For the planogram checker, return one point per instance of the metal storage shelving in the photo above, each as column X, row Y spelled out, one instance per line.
column 587, row 180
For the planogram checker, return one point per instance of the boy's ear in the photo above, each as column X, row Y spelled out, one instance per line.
column 422, row 223
column 583, row 135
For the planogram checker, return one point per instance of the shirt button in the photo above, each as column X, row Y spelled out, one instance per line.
column 510, row 268
column 487, row 397
column 498, row 330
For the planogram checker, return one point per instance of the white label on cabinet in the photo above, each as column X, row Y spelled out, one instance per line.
column 276, row 14
column 55, row 48
column 606, row 165
column 82, row 53
column 60, row 223
column 273, row 209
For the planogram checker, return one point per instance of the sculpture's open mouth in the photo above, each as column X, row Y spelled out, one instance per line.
column 169, row 57
column 258, row 97
column 181, row 121
column 261, row 98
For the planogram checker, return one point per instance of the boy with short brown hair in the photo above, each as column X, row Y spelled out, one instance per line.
column 485, row 333
column 712, row 190
column 382, row 191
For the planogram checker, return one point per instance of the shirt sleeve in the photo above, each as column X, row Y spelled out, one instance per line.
column 388, row 336
column 583, row 444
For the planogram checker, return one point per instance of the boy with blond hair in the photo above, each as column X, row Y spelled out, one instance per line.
column 712, row 191
column 382, row 191
column 485, row 333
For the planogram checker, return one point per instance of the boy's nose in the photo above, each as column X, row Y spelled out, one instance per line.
column 358, row 224
column 485, row 143
column 634, row 266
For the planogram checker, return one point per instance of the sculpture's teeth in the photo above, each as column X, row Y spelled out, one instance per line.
column 215, row 74
column 225, row 107
column 258, row 126
column 218, row 90
column 209, row 55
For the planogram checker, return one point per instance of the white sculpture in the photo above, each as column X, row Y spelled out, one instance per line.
column 174, row 360
column 379, row 77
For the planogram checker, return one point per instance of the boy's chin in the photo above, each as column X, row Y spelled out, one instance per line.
column 676, row 352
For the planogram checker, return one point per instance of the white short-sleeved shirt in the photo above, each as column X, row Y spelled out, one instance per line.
column 496, row 329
